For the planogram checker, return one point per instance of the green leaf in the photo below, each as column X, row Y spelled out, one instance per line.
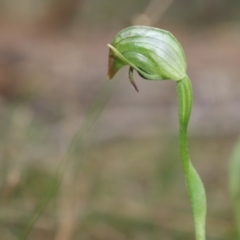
column 234, row 181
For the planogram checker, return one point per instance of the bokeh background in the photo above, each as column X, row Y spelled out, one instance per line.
column 124, row 180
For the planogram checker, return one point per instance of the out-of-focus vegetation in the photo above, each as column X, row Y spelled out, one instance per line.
column 234, row 186
column 126, row 180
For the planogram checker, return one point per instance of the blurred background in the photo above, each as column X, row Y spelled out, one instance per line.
column 125, row 180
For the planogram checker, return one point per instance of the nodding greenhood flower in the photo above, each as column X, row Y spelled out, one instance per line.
column 157, row 55
column 154, row 53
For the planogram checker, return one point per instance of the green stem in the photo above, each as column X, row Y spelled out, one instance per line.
column 194, row 184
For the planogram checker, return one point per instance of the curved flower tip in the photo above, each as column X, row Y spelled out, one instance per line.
column 111, row 69
column 114, row 62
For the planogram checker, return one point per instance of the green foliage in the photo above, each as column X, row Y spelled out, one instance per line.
column 156, row 55
column 234, row 181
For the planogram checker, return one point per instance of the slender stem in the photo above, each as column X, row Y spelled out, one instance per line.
column 194, row 184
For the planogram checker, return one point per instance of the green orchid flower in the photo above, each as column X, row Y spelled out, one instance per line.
column 157, row 55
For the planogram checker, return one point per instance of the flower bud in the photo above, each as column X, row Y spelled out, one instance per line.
column 154, row 53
